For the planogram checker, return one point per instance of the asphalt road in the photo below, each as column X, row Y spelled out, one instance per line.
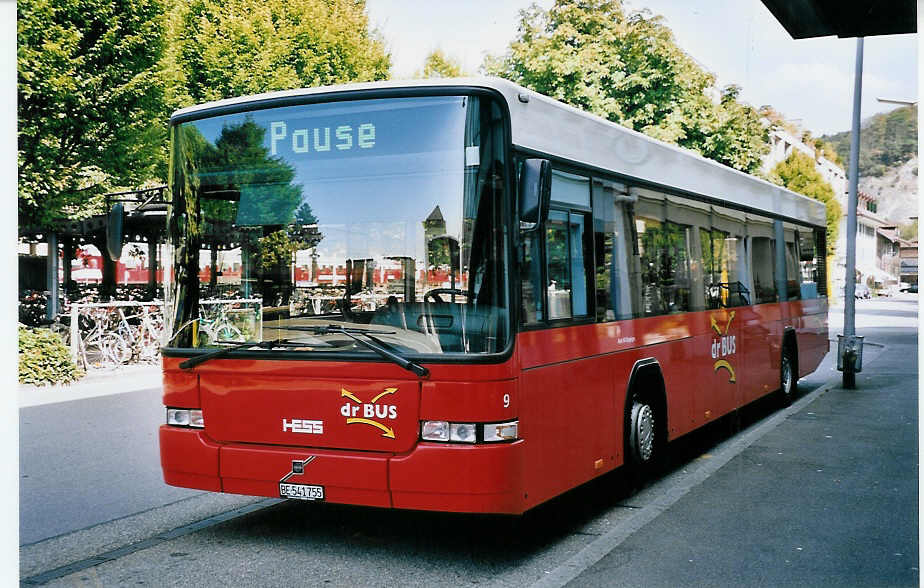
column 89, row 461
column 747, row 507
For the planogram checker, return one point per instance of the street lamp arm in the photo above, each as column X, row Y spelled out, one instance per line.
column 896, row 101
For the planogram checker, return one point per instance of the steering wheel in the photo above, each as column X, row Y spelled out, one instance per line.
column 435, row 293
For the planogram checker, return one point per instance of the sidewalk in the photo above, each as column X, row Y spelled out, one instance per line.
column 130, row 378
column 829, row 497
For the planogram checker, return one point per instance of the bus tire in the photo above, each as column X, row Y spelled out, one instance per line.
column 787, row 376
column 642, row 432
column 643, row 438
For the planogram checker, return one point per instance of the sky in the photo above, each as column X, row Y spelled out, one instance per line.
column 810, row 81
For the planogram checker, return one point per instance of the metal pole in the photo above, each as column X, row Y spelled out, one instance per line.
column 51, row 277
column 848, row 348
column 75, row 332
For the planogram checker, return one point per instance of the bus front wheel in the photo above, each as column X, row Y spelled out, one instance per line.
column 642, row 433
column 787, row 377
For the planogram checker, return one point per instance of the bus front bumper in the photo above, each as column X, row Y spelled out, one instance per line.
column 433, row 476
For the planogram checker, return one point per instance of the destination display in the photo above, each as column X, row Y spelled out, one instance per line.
column 346, row 137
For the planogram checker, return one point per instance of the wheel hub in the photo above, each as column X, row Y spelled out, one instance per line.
column 643, row 431
column 787, row 376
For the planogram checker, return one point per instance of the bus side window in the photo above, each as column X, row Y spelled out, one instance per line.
column 613, row 235
column 762, row 265
column 715, row 267
column 811, row 265
column 568, row 247
column 531, row 278
column 722, row 276
column 664, row 252
column 792, row 271
column 532, row 304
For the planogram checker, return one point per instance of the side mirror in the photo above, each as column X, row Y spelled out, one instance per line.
column 535, row 193
column 114, row 231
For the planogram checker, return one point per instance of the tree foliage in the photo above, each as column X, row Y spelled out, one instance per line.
column 89, row 102
column 98, row 79
column 439, row 65
column 909, row 230
column 886, row 140
column 797, row 173
column 225, row 48
column 626, row 67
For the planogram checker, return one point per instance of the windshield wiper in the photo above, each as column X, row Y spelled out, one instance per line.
column 375, row 344
column 194, row 361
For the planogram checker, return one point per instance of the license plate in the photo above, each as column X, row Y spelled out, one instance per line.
column 301, row 491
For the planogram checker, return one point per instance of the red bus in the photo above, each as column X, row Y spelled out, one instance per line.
column 461, row 295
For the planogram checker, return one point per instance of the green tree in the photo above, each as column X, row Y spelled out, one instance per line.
column 89, row 102
column 909, row 230
column 304, row 215
column 439, row 65
column 225, row 48
column 730, row 133
column 797, row 173
column 628, row 69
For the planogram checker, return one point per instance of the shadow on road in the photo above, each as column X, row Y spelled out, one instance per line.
column 500, row 542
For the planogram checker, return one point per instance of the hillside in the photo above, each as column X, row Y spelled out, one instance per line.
column 887, row 140
column 897, row 190
column 888, row 161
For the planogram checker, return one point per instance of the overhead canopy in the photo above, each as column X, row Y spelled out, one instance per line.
column 803, row 19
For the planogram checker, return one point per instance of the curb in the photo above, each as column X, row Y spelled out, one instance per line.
column 120, row 381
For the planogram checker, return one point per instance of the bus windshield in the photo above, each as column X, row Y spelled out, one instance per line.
column 306, row 225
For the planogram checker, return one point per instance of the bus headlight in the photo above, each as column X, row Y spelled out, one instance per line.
column 462, row 432
column 444, row 431
column 185, row 417
column 195, row 419
column 497, row 432
column 434, row 431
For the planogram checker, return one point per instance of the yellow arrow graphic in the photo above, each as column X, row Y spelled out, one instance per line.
column 387, row 391
column 388, row 432
column 345, row 392
column 715, row 325
column 724, row 364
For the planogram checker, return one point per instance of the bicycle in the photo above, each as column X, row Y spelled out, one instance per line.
column 102, row 347
column 149, row 332
column 218, row 328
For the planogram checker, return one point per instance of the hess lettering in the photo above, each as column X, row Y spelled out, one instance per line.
column 303, row 426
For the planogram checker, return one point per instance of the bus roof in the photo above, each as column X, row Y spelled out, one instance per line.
column 545, row 125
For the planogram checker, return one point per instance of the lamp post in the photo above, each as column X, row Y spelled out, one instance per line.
column 849, row 346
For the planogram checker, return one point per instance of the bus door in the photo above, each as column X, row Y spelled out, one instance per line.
column 725, row 297
column 761, row 322
column 723, row 395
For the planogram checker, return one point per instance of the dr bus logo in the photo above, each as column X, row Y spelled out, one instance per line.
column 723, row 346
column 370, row 411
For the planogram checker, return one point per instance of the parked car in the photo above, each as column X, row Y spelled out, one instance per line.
column 861, row 291
column 913, row 288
